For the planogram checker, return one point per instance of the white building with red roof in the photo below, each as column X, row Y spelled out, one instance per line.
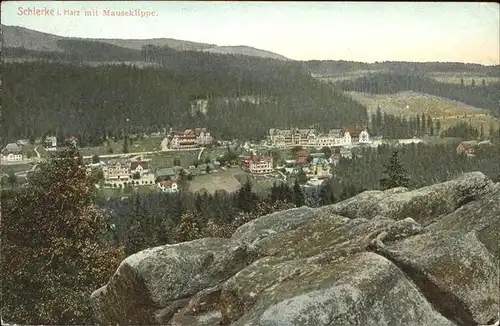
column 258, row 164
column 189, row 138
column 168, row 186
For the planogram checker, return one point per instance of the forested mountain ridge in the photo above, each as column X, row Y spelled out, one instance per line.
column 62, row 94
column 92, row 102
column 15, row 37
column 478, row 94
column 35, row 42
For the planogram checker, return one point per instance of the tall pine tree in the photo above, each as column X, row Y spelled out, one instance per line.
column 298, row 195
column 395, row 174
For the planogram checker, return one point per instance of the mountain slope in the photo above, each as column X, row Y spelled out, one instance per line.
column 169, row 42
column 245, row 50
column 20, row 37
column 480, row 96
column 409, row 103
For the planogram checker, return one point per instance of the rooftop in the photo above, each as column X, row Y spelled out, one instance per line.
column 164, row 172
column 167, row 183
column 12, row 148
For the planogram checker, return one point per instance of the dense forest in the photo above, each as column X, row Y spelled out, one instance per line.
column 478, row 94
column 77, row 51
column 92, row 102
column 336, row 68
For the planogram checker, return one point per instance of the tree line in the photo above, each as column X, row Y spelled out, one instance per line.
column 339, row 67
column 391, row 126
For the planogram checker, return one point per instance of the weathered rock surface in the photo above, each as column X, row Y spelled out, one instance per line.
column 424, row 205
column 151, row 282
column 423, row 257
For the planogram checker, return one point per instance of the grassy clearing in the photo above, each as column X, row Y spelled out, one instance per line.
column 144, row 145
column 6, row 168
column 222, row 180
column 213, row 153
column 434, row 140
column 347, row 76
column 410, row 103
column 166, row 159
column 261, row 185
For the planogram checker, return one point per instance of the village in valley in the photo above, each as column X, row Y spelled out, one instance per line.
column 193, row 160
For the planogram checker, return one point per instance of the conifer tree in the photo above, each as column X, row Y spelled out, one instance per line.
column 326, row 195
column 298, row 195
column 430, row 125
column 246, row 197
column 301, row 176
column 188, row 228
column 139, row 236
column 395, row 174
column 12, row 179
column 125, row 145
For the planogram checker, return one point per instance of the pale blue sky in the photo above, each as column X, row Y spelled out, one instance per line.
column 369, row 31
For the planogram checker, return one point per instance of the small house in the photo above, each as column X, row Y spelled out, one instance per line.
column 12, row 153
column 164, row 174
column 302, row 157
column 467, row 148
column 50, row 144
column 168, row 186
column 140, row 167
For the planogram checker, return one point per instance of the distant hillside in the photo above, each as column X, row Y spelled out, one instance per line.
column 485, row 96
column 178, row 45
column 341, row 68
column 245, row 50
column 31, row 40
column 20, row 37
column 409, row 103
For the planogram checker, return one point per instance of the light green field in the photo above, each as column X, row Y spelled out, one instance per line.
column 222, row 180
column 166, row 159
column 347, row 76
column 451, row 78
column 260, row 184
column 5, row 169
column 213, row 153
column 144, row 145
column 410, row 103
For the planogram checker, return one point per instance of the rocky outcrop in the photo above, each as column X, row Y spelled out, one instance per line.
column 424, row 205
column 397, row 257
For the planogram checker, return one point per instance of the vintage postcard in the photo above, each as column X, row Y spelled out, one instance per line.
column 203, row 163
